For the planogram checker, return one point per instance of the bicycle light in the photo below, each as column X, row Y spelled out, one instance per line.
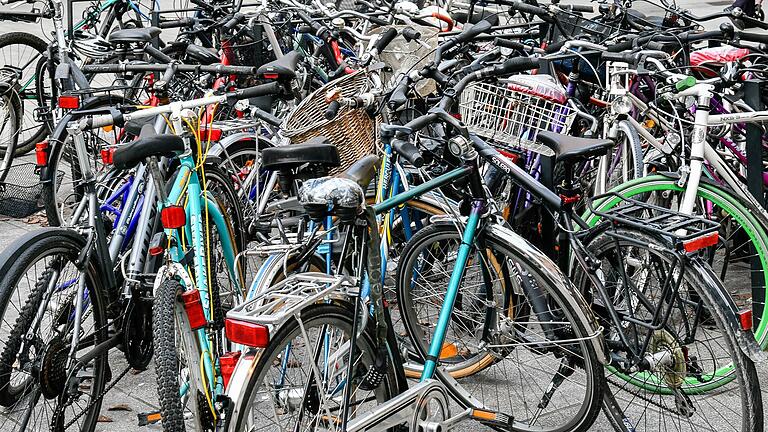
column 194, row 308
column 745, row 319
column 245, row 333
column 210, row 134
column 107, row 156
column 173, row 217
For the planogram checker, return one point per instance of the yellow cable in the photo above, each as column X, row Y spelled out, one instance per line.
column 205, row 386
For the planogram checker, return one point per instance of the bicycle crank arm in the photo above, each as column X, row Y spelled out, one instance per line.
column 399, row 410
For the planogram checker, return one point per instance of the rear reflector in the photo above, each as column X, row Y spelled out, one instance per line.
column 227, row 363
column 745, row 319
column 210, row 134
column 41, row 153
column 69, row 102
column 108, row 156
column 173, row 217
column 271, row 76
column 702, row 242
column 194, row 308
column 245, row 333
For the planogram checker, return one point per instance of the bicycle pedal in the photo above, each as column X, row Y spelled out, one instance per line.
column 492, row 418
column 375, row 375
column 149, row 418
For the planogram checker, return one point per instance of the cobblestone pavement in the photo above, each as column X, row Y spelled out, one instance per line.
column 136, row 392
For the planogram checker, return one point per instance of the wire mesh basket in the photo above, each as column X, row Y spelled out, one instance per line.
column 402, row 56
column 352, row 131
column 511, row 113
column 21, row 192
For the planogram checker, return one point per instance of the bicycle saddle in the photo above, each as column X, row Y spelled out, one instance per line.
column 202, row 54
column 284, row 68
column 149, row 144
column 570, row 149
column 336, row 196
column 134, row 35
column 315, row 151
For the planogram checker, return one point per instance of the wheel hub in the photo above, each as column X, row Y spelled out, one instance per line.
column 53, row 373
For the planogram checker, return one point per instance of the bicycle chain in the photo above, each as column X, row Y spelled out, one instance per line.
column 93, row 401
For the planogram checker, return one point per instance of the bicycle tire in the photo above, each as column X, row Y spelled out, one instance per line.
column 322, row 314
column 459, row 380
column 166, row 361
column 627, row 143
column 30, row 133
column 49, row 384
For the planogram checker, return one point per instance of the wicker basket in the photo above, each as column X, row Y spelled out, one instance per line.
column 510, row 114
column 353, row 131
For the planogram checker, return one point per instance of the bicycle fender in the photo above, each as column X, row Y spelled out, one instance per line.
column 534, row 258
column 727, row 311
column 12, row 252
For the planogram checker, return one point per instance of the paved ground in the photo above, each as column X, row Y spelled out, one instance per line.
column 136, row 392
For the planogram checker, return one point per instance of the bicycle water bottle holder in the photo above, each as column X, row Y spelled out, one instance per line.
column 289, row 297
column 687, row 232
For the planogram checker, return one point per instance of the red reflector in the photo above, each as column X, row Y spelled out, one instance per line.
column 107, row 156
column 271, row 76
column 512, row 156
column 173, row 217
column 227, row 363
column 194, row 308
column 156, row 250
column 245, row 333
column 457, row 116
column 41, row 153
column 702, row 242
column 69, row 102
column 745, row 319
column 211, row 134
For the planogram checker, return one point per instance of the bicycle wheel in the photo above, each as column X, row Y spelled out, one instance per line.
column 10, row 121
column 61, row 178
column 625, row 163
column 284, row 391
column 743, row 238
column 515, row 343
column 39, row 387
column 697, row 377
column 23, row 51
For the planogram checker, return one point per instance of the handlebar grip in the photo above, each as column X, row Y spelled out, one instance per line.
column 515, row 45
column 255, row 91
column 517, row 64
column 234, row 21
column 316, row 27
column 519, row 6
column 385, row 38
column 378, row 21
column 185, row 22
column 754, row 37
column 202, row 4
column 582, row 8
column 267, row 117
column 621, row 46
column 477, row 29
column 399, row 95
column 555, row 47
column 657, row 46
column 620, row 57
column 332, row 110
column 409, row 151
column 410, row 34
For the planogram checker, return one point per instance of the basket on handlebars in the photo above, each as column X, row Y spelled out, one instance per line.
column 402, row 56
column 512, row 112
column 352, row 131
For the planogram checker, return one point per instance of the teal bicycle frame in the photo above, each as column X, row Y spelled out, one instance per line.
column 194, row 230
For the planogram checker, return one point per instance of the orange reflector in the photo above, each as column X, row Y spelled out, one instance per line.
column 107, row 128
column 69, row 102
column 448, row 350
column 194, row 308
column 483, row 415
column 210, row 134
column 173, row 217
column 41, row 153
column 245, row 333
column 745, row 319
column 227, row 363
column 702, row 242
